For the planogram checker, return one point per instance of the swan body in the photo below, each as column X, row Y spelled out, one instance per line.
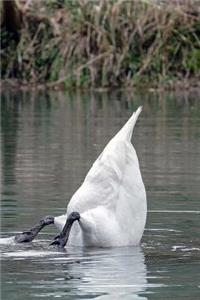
column 112, row 199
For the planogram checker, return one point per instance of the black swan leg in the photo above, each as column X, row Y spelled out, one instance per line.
column 61, row 239
column 29, row 235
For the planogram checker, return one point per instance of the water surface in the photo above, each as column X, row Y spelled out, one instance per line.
column 49, row 141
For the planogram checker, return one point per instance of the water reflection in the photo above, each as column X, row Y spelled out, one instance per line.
column 113, row 273
column 83, row 273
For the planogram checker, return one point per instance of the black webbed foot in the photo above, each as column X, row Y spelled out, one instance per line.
column 58, row 241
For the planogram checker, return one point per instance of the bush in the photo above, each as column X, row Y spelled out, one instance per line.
column 104, row 43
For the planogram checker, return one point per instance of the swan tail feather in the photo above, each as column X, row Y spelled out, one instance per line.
column 127, row 129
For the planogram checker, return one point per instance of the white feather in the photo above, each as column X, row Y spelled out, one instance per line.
column 112, row 198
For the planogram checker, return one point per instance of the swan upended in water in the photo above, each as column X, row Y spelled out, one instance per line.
column 110, row 206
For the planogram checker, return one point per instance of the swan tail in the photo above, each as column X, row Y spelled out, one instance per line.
column 126, row 132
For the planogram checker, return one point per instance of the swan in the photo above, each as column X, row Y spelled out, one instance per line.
column 109, row 208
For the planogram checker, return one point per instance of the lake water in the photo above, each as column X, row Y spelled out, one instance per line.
column 49, row 141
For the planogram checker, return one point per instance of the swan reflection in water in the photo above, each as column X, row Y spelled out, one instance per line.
column 116, row 273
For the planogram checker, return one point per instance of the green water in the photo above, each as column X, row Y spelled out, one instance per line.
column 48, row 143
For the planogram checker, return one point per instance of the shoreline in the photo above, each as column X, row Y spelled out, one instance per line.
column 192, row 84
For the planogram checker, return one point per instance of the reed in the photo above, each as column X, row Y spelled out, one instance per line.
column 103, row 43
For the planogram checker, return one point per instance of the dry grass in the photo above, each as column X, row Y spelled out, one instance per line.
column 105, row 43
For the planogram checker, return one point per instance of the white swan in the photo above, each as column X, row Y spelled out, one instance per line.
column 112, row 199
column 110, row 205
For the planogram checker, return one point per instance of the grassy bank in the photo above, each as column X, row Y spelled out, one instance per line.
column 103, row 43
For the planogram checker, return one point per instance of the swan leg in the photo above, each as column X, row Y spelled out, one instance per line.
column 61, row 239
column 29, row 235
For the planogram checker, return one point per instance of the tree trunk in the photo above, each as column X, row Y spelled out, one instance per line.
column 11, row 16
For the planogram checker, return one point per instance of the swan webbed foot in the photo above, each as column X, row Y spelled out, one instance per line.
column 59, row 241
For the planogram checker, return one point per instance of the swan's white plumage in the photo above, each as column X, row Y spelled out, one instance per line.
column 112, row 198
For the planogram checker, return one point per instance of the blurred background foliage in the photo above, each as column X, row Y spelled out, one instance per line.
column 115, row 43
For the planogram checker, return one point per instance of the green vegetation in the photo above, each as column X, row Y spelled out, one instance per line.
column 104, row 43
